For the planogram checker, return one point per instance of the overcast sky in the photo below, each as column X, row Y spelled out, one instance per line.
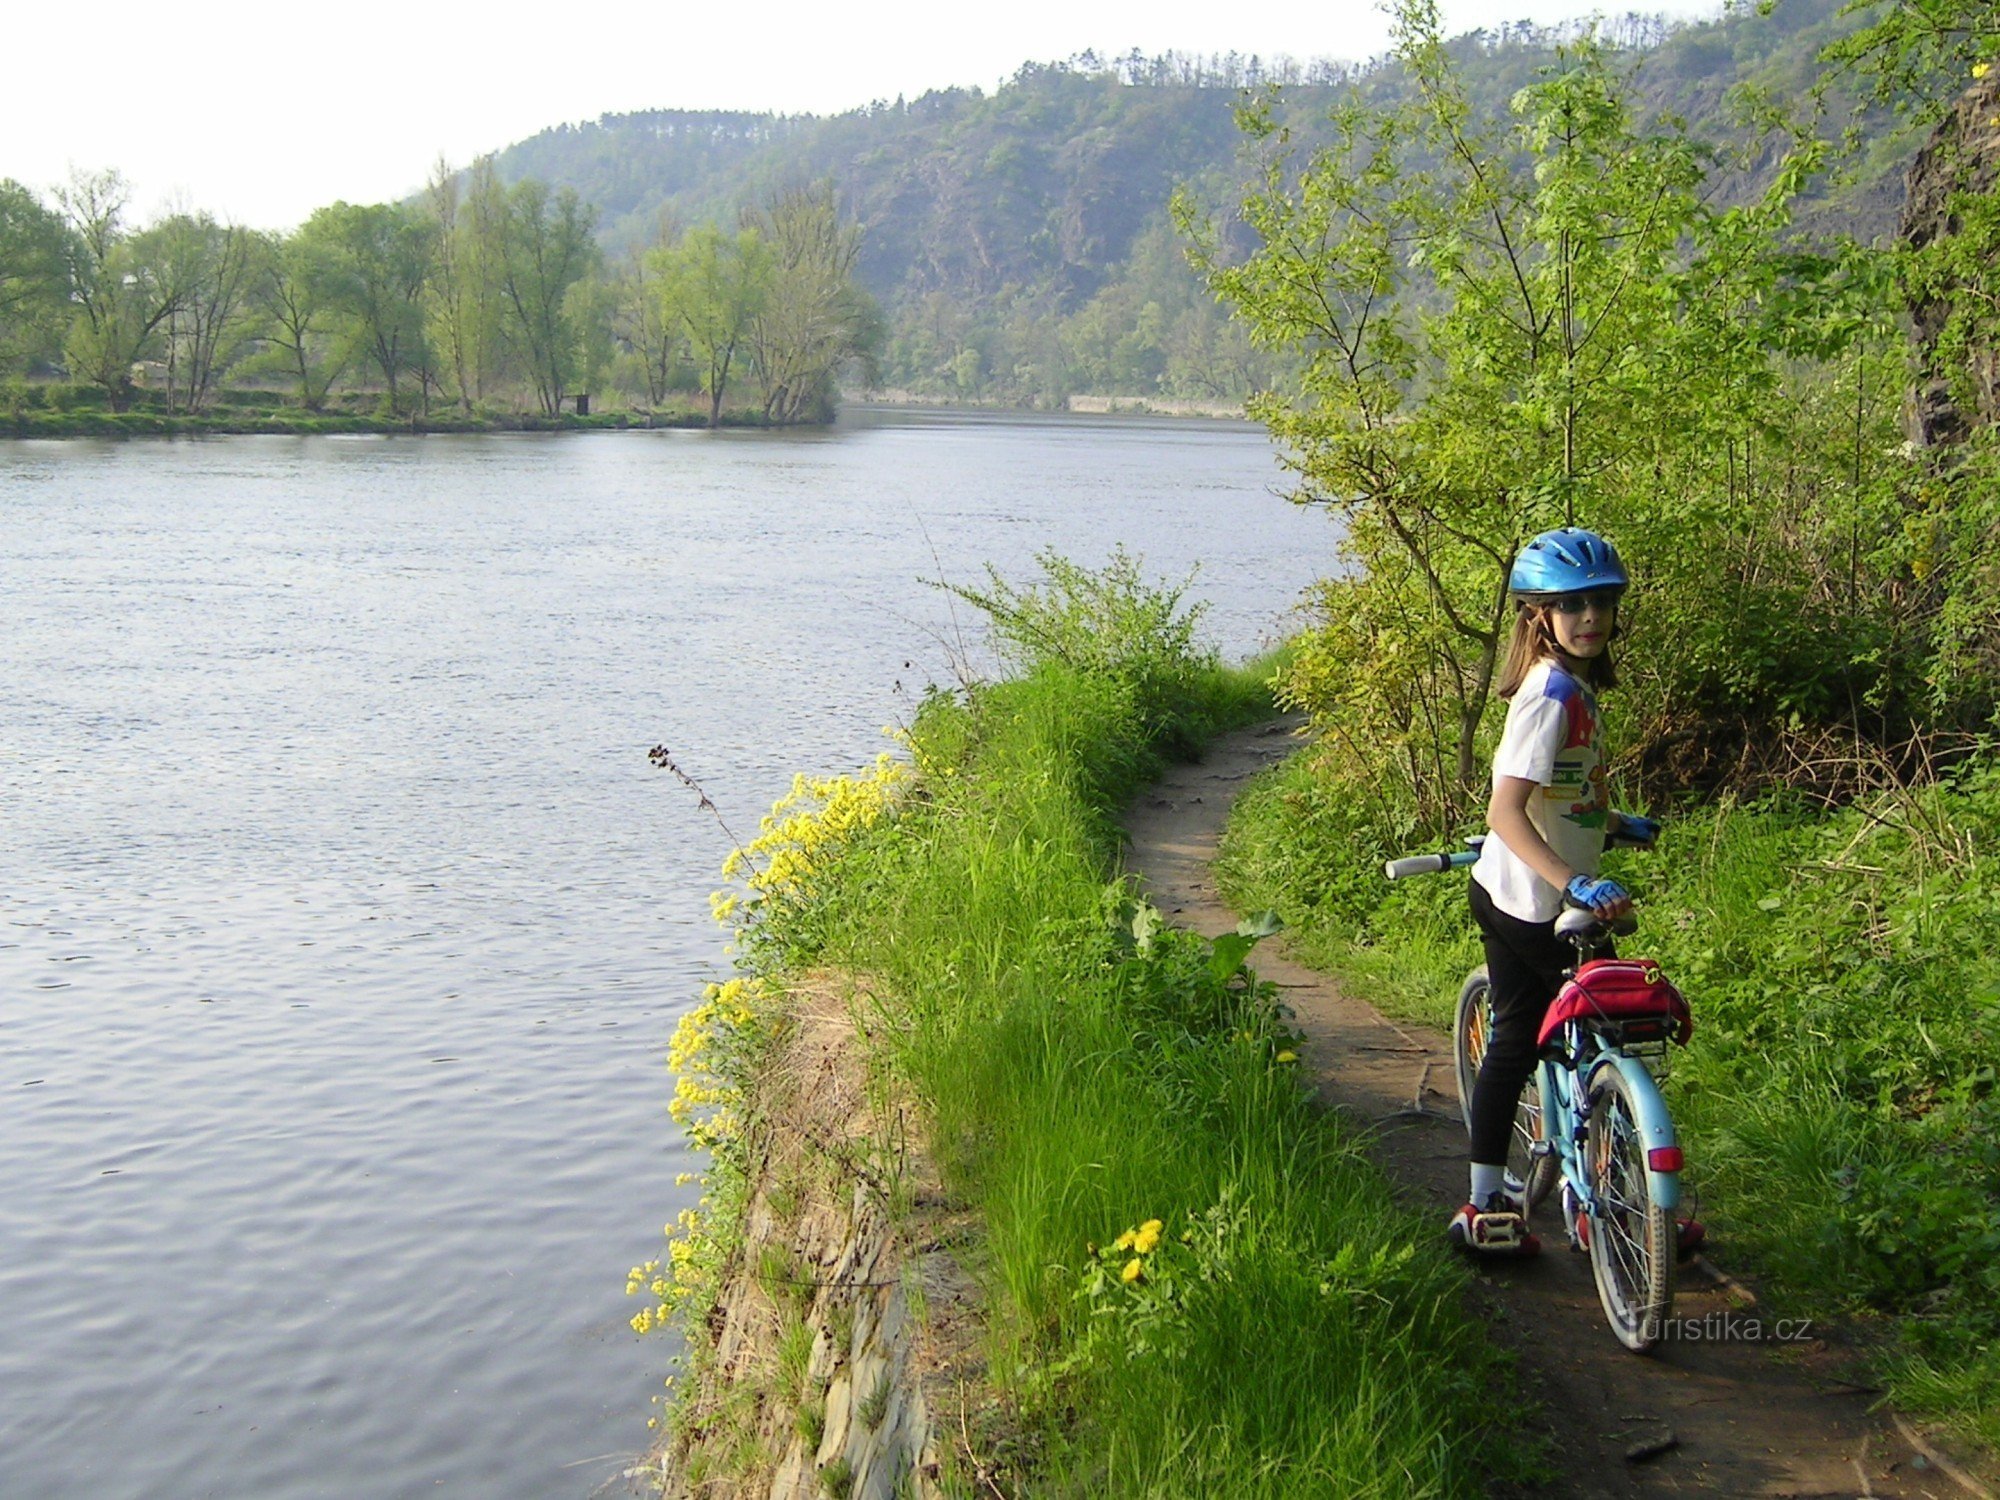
column 260, row 113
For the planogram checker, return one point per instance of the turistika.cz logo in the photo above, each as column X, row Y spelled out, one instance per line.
column 1733, row 1327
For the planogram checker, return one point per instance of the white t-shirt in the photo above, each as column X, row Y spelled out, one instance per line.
column 1551, row 740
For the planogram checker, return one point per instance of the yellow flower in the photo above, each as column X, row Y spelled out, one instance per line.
column 1980, row 70
column 1288, row 1057
column 1124, row 1241
column 1147, row 1237
column 1133, row 1270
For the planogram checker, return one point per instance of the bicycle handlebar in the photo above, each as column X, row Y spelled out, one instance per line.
column 1428, row 864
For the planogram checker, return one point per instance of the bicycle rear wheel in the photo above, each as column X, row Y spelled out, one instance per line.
column 1631, row 1236
column 1469, row 1036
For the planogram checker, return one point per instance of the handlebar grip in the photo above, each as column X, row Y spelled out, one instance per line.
column 1416, row 864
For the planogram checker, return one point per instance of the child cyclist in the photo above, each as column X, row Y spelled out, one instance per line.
column 1550, row 817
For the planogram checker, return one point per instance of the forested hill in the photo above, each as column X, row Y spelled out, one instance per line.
column 1018, row 239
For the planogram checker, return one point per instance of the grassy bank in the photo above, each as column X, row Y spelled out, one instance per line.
column 1838, row 1099
column 1197, row 1284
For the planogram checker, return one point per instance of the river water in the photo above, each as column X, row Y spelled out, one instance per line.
column 343, row 922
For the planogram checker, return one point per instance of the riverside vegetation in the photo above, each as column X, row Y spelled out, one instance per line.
column 481, row 305
column 1517, row 317
column 1197, row 1283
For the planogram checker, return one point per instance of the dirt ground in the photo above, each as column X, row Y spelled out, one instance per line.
column 1714, row 1415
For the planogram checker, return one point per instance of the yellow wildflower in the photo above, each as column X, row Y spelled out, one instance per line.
column 1980, row 70
column 1147, row 1237
column 1288, row 1056
column 1134, row 1268
column 1124, row 1241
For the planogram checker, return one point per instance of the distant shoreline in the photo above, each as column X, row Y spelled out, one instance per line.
column 97, row 422
column 1078, row 405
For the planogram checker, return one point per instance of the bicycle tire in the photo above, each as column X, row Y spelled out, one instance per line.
column 1631, row 1236
column 1470, row 1029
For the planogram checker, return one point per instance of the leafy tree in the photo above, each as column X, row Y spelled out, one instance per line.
column 814, row 317
column 717, row 284
column 1918, row 53
column 644, row 319
column 34, row 276
column 380, row 257
column 298, row 292
column 549, row 250
column 1503, row 325
column 121, row 294
column 216, row 266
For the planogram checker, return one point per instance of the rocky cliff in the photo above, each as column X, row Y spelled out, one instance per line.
column 1950, row 219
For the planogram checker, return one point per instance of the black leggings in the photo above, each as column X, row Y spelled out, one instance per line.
column 1524, row 963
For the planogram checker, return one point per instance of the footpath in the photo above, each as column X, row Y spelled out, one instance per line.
column 1713, row 1413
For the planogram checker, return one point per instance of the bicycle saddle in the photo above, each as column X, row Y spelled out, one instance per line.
column 1580, row 922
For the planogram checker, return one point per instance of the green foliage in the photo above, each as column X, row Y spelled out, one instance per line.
column 1509, row 321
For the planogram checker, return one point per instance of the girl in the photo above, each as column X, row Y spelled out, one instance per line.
column 1549, row 817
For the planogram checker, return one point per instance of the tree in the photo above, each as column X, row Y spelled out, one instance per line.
column 297, row 291
column 813, row 317
column 717, row 284
column 644, row 319
column 549, row 251
column 380, row 256
column 34, row 276
column 1500, row 324
column 121, row 297
column 216, row 266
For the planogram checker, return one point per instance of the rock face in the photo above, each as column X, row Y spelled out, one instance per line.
column 1957, row 332
column 844, row 1328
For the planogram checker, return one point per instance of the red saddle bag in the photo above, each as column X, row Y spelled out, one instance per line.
column 1619, row 990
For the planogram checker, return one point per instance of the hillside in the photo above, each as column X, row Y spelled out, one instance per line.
column 1018, row 239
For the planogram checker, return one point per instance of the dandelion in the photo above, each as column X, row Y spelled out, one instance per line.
column 1980, row 70
column 1288, row 1056
column 1134, row 1268
column 1125, row 1241
column 1147, row 1237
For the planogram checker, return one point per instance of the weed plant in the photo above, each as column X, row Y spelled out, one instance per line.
column 1273, row 1325
column 1838, row 1097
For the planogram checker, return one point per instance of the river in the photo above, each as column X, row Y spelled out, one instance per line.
column 345, row 922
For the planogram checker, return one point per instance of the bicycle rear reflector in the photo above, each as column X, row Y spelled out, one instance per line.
column 1664, row 1158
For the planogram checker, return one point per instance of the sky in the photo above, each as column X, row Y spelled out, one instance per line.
column 259, row 113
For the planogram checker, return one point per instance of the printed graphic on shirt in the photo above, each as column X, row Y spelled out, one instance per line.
column 1578, row 775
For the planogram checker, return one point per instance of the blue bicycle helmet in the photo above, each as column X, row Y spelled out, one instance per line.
column 1569, row 561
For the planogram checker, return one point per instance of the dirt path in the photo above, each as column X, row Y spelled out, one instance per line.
column 1744, row 1421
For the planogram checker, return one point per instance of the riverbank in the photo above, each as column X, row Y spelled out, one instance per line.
column 1837, row 1099
column 29, row 422
column 1197, row 1282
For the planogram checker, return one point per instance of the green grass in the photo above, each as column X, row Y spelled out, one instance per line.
column 1838, row 1097
column 1292, row 1332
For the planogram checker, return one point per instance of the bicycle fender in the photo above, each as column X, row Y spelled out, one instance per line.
column 1656, row 1126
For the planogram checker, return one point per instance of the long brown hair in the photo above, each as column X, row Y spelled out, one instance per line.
column 1534, row 641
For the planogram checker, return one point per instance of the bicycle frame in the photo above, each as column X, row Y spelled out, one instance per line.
column 1567, row 1089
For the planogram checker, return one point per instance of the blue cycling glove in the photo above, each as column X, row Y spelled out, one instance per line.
column 1637, row 830
column 1601, row 896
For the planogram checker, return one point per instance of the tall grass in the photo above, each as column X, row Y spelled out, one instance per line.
column 1199, row 1285
column 1838, row 1097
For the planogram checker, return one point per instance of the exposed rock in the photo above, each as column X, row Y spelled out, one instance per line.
column 892, row 1317
column 1961, row 157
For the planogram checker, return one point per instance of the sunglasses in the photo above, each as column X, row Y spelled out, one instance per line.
column 1604, row 600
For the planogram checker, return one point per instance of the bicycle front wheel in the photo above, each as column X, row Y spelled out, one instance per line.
column 1631, row 1236
column 1469, row 1036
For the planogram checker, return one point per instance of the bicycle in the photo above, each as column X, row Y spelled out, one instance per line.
column 1592, row 1116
